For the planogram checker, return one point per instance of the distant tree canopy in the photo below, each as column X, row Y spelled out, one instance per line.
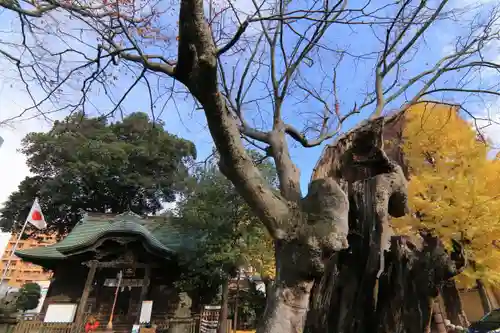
column 90, row 164
column 454, row 188
column 29, row 296
column 229, row 235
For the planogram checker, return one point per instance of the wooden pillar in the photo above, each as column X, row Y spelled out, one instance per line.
column 144, row 291
column 80, row 312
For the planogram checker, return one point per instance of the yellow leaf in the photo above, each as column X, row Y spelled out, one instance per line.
column 455, row 188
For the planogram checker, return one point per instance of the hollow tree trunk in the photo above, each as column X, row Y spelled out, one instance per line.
column 453, row 304
column 352, row 296
column 348, row 289
column 405, row 296
column 345, row 298
column 410, row 283
column 483, row 295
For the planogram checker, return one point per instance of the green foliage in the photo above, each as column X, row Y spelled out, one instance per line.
column 251, row 306
column 92, row 165
column 229, row 235
column 29, row 296
column 8, row 304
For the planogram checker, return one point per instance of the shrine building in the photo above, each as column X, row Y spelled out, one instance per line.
column 139, row 254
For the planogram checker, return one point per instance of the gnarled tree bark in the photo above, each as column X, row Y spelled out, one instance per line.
column 408, row 288
column 317, row 229
column 365, row 288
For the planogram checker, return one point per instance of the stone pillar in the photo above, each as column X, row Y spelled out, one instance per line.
column 80, row 312
column 181, row 322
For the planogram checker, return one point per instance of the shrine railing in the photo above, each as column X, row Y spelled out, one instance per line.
column 171, row 325
column 187, row 325
column 35, row 326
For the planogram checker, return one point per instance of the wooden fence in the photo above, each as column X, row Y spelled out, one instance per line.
column 35, row 326
column 174, row 325
column 206, row 322
column 181, row 325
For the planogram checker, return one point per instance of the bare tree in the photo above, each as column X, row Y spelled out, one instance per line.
column 280, row 59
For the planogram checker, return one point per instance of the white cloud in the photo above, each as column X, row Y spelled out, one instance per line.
column 13, row 168
column 491, row 128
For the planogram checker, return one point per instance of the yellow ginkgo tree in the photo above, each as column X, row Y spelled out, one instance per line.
column 454, row 187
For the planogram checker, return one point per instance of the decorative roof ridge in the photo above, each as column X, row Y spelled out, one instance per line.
column 129, row 213
column 113, row 216
column 99, row 214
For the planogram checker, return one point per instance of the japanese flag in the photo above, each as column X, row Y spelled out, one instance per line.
column 36, row 216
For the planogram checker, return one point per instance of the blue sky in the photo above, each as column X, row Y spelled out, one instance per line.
column 354, row 77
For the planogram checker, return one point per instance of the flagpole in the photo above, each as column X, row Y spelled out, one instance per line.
column 6, row 269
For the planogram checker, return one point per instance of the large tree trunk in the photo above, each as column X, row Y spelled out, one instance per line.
column 453, row 304
column 359, row 292
column 349, row 291
column 286, row 308
column 315, row 233
column 344, row 298
column 406, row 291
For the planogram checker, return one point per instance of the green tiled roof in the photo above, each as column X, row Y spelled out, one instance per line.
column 157, row 234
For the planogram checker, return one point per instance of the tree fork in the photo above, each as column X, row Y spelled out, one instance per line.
column 316, row 231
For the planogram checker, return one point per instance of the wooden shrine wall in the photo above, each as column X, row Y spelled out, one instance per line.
column 66, row 286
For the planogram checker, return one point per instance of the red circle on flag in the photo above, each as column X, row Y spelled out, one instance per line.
column 36, row 216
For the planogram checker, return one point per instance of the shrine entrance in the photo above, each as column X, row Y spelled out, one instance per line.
column 118, row 286
column 127, row 292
